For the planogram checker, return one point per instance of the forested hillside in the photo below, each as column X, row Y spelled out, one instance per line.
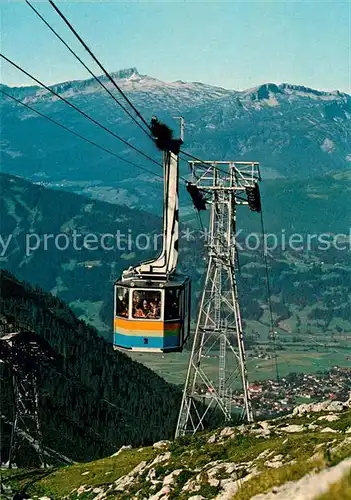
column 82, row 275
column 100, row 399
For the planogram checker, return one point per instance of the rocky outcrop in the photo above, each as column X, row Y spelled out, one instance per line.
column 310, row 486
column 331, row 406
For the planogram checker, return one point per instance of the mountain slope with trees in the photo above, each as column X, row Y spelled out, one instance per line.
column 99, row 399
column 310, row 287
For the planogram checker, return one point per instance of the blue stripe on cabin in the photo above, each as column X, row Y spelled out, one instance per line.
column 128, row 341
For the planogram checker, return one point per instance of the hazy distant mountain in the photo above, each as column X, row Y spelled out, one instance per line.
column 295, row 132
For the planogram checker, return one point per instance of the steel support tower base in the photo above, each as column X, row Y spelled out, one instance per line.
column 26, row 424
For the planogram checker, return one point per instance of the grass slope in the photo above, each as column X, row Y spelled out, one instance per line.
column 239, row 461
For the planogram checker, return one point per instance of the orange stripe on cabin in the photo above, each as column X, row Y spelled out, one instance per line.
column 146, row 325
column 142, row 325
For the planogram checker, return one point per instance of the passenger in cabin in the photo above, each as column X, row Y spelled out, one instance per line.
column 146, row 305
column 154, row 310
column 136, row 299
column 146, row 308
column 136, row 306
column 157, row 309
column 138, row 311
column 142, row 309
column 122, row 303
column 124, row 309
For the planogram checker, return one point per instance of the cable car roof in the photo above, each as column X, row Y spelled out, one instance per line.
column 147, row 282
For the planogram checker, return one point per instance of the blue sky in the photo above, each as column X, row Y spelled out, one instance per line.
column 231, row 44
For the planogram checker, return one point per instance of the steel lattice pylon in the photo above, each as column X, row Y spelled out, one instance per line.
column 24, row 352
column 219, row 326
column 26, row 422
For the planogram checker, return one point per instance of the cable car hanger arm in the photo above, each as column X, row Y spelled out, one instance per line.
column 165, row 264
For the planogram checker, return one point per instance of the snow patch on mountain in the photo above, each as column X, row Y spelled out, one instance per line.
column 284, row 126
column 150, row 92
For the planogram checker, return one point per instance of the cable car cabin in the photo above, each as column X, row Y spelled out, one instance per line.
column 152, row 316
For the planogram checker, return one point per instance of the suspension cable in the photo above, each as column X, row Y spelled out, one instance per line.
column 269, row 299
column 79, row 135
column 203, row 164
column 78, row 110
column 74, row 31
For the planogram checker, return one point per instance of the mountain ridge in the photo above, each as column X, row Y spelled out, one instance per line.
column 130, row 72
column 295, row 132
